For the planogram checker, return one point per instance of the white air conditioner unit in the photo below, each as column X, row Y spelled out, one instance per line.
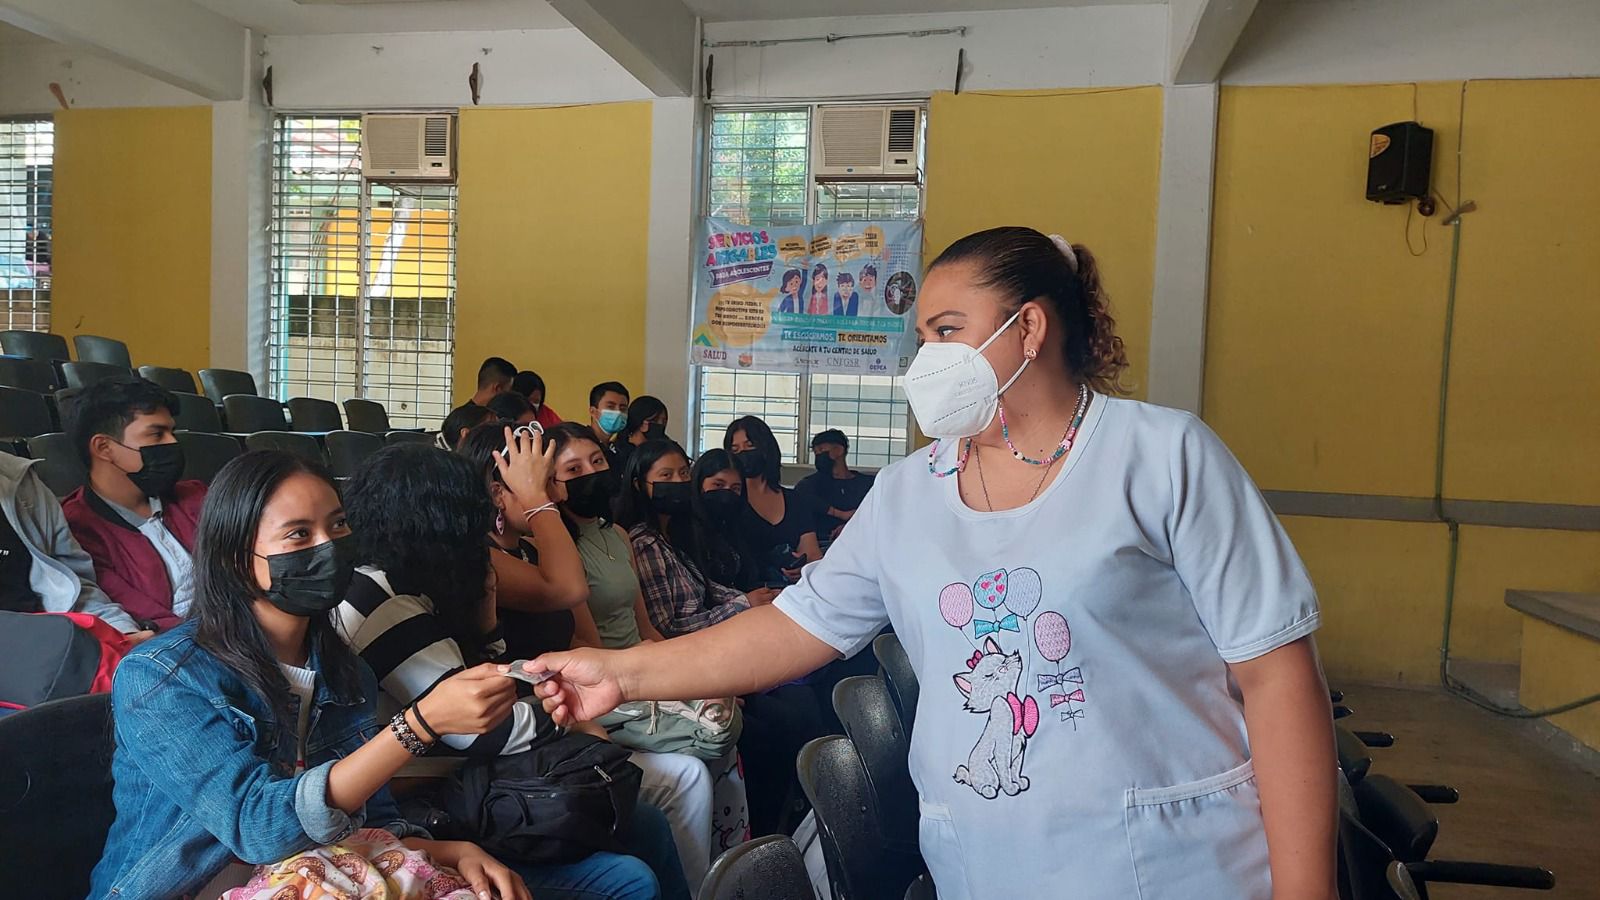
column 417, row 147
column 877, row 142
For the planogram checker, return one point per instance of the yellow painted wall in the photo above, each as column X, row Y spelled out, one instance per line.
column 1381, row 585
column 551, row 261
column 1084, row 164
column 132, row 248
column 1324, row 344
column 1526, row 388
column 1558, row 667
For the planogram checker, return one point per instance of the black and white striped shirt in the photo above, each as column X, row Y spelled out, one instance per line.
column 409, row 649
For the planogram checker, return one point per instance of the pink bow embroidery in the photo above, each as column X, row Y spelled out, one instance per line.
column 977, row 657
column 1024, row 714
column 1074, row 697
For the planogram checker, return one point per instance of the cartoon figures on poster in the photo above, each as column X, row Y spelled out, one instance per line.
column 994, row 677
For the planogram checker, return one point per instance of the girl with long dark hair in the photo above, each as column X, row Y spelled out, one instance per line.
column 248, row 732
column 540, row 585
column 707, row 808
column 423, row 605
column 1120, row 693
column 647, row 421
column 778, row 516
column 657, row 508
column 717, row 540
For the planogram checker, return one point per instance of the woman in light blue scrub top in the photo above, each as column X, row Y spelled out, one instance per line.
column 1120, row 695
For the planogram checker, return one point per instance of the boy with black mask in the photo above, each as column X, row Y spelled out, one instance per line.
column 135, row 517
column 837, row 486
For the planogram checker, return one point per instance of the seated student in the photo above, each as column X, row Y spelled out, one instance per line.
column 835, row 485
column 777, row 516
column 42, row 568
column 510, row 406
column 461, row 420
column 647, row 421
column 608, row 415
column 494, row 377
column 134, row 517
column 240, row 733
column 720, row 547
column 540, row 586
column 421, row 607
column 531, row 386
column 585, row 486
column 656, row 508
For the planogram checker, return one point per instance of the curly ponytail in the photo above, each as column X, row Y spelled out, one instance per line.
column 1026, row 265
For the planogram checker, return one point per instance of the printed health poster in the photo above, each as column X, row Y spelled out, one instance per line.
column 830, row 297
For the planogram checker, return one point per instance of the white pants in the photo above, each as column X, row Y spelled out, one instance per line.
column 680, row 786
column 704, row 804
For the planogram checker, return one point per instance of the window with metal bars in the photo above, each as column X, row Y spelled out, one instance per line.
column 363, row 277
column 760, row 174
column 27, row 155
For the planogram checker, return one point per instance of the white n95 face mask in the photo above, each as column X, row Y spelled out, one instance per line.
column 952, row 388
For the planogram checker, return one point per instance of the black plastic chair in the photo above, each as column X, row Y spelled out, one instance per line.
column 35, row 375
column 197, row 413
column 410, row 437
column 366, row 415
column 93, row 348
column 873, row 725
column 219, row 383
column 246, row 413
column 82, row 374
column 1370, row 870
column 899, row 676
column 311, row 414
column 34, row 345
column 860, row 865
column 922, row 889
column 55, row 790
column 204, row 454
column 767, row 868
column 175, row 380
column 23, row 414
column 347, row 450
column 59, row 466
column 302, row 445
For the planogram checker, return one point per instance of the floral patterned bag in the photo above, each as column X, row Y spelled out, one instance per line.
column 371, row 864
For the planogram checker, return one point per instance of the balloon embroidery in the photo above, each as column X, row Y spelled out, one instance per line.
column 1003, row 605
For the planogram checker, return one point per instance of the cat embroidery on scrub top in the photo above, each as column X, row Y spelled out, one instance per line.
column 995, row 763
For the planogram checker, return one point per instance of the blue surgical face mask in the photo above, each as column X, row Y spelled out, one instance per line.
column 612, row 421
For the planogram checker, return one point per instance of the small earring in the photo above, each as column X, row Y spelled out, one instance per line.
column 499, row 523
column 1031, row 353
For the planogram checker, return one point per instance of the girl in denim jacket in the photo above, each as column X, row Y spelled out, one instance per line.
column 248, row 733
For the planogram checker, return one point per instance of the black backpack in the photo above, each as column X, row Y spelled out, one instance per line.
column 556, row 803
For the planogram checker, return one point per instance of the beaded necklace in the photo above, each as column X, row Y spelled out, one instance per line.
column 1061, row 450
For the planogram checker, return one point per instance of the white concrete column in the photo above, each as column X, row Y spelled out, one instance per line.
column 1183, row 246
column 240, row 207
column 674, row 149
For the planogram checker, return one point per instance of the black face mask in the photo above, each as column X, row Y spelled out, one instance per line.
column 722, row 506
column 163, row 467
column 824, row 465
column 655, row 431
column 590, row 495
column 751, row 463
column 312, row 581
column 670, row 498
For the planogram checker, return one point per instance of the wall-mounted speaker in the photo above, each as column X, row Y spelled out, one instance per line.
column 1399, row 163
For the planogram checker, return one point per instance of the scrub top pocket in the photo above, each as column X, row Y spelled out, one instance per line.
column 1201, row 839
column 941, row 851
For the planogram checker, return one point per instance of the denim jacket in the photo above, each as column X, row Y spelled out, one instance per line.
column 204, row 774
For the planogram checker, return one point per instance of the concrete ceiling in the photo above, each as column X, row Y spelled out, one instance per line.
column 746, row 10
column 12, row 35
column 358, row 16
